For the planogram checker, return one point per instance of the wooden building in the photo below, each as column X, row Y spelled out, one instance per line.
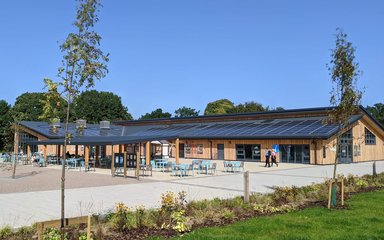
column 300, row 134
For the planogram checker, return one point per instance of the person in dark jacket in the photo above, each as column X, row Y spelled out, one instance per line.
column 267, row 157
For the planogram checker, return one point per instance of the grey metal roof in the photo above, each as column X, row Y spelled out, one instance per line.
column 284, row 128
column 304, row 128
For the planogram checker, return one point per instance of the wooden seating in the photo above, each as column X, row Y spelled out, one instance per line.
column 212, row 168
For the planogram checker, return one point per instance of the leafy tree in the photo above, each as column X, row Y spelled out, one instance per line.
column 95, row 106
column 247, row 107
column 377, row 111
column 83, row 63
column 158, row 113
column 186, row 112
column 28, row 107
column 5, row 125
column 279, row 109
column 222, row 106
column 345, row 96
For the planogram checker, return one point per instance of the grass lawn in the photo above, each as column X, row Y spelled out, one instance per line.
column 364, row 219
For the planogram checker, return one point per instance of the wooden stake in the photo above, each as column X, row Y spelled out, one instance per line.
column 89, row 228
column 246, row 187
column 330, row 193
column 342, row 191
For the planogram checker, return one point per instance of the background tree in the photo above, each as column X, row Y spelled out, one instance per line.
column 345, row 96
column 158, row 113
column 6, row 139
column 222, row 106
column 377, row 111
column 28, row 107
column 95, row 106
column 186, row 112
column 247, row 107
column 83, row 63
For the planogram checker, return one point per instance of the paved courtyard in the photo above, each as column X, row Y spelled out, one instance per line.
column 35, row 195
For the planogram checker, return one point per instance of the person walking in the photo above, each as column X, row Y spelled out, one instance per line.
column 273, row 159
column 267, row 157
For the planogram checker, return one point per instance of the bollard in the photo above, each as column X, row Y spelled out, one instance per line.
column 374, row 168
column 246, row 187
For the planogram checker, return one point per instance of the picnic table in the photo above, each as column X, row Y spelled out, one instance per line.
column 232, row 166
column 74, row 162
column 180, row 169
column 161, row 163
column 205, row 165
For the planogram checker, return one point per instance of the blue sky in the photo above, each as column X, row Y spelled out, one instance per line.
column 172, row 53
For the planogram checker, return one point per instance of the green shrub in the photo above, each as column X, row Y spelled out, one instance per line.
column 53, row 234
column 5, row 232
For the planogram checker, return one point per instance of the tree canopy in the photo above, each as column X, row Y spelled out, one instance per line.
column 222, row 106
column 186, row 112
column 6, row 137
column 158, row 113
column 248, row 107
column 344, row 71
column 28, row 107
column 377, row 111
column 95, row 106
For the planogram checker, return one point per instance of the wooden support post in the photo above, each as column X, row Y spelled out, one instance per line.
column 342, row 191
column 86, row 156
column 120, row 148
column 45, row 154
column 113, row 163
column 330, row 193
column 138, row 165
column 89, row 228
column 28, row 153
column 125, row 164
column 246, row 187
column 177, row 157
column 59, row 155
column 147, row 153
column 77, row 150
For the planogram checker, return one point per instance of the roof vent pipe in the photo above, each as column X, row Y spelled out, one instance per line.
column 105, row 125
column 81, row 123
column 55, row 123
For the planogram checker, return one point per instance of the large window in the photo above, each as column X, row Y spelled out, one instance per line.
column 295, row 153
column 248, row 152
column 370, row 138
column 24, row 138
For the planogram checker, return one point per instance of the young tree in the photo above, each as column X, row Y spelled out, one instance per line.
column 83, row 63
column 345, row 95
column 186, row 112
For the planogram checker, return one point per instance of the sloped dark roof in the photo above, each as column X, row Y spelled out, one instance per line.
column 303, row 128
column 290, row 128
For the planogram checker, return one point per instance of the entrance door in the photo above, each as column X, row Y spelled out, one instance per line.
column 181, row 150
column 345, row 149
column 345, row 153
column 220, row 151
